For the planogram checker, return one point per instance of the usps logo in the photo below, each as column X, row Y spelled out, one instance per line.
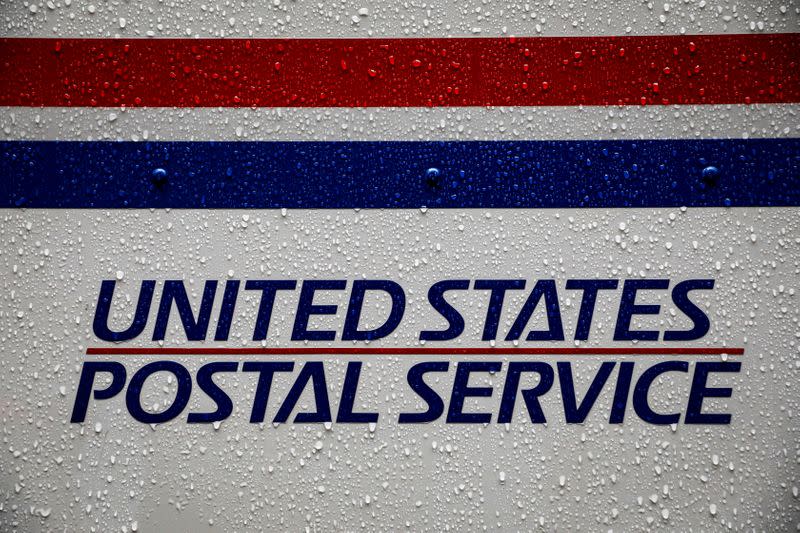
column 447, row 266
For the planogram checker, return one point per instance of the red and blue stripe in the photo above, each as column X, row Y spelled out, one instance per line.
column 569, row 71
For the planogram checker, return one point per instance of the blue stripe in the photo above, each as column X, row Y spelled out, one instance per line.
column 536, row 174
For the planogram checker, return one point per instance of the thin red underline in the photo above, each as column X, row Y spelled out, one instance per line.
column 412, row 351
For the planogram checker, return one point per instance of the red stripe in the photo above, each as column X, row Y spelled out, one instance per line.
column 710, row 69
column 413, row 351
